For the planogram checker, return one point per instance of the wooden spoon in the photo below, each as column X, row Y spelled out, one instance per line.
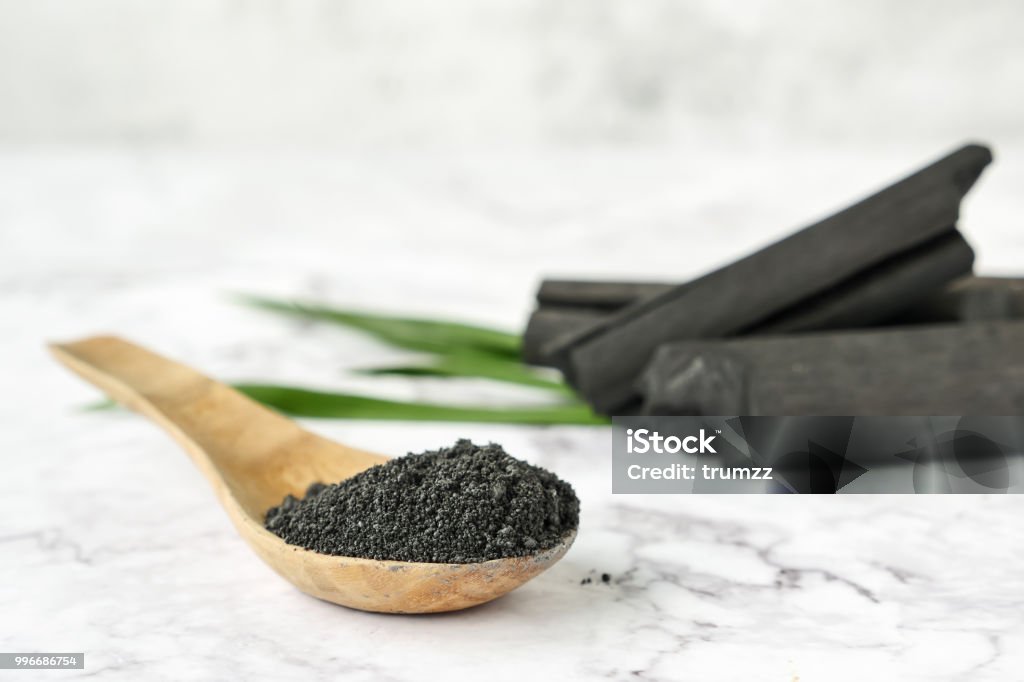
column 253, row 457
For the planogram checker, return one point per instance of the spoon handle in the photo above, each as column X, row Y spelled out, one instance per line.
column 230, row 437
column 203, row 415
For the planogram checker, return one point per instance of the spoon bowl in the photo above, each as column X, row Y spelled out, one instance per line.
column 253, row 457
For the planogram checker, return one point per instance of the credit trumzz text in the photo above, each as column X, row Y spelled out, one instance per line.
column 646, row 441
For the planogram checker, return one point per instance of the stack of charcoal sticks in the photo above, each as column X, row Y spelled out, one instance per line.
column 871, row 311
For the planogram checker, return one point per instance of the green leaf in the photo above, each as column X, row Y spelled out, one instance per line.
column 301, row 402
column 474, row 366
column 100, row 405
column 431, row 336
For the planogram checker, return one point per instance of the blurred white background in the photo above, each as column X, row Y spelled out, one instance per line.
column 406, row 74
column 439, row 159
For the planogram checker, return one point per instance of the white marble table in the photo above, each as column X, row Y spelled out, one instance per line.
column 112, row 543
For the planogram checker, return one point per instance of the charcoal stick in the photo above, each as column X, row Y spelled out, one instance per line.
column 567, row 306
column 597, row 295
column 961, row 369
column 552, row 322
column 604, row 360
column 884, row 291
column 969, row 299
column 880, row 292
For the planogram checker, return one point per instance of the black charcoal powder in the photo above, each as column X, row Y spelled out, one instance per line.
column 462, row 504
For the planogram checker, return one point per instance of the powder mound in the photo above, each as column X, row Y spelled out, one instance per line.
column 462, row 504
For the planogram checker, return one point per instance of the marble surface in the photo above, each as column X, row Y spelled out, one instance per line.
column 111, row 542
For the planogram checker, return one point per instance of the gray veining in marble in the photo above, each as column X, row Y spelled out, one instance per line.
column 438, row 159
column 112, row 543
